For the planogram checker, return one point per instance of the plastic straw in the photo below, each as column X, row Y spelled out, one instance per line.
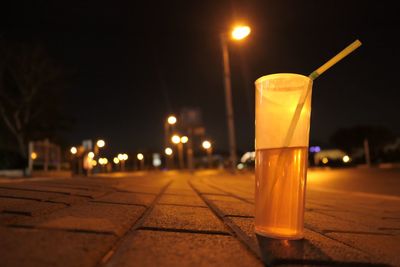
column 350, row 48
column 292, row 127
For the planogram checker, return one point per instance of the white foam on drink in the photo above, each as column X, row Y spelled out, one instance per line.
column 277, row 97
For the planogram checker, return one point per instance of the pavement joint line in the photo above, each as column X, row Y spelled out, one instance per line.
column 192, row 231
column 181, row 205
column 239, row 216
column 310, row 228
column 23, row 198
column 329, row 231
column 243, row 238
column 134, row 192
column 72, row 230
column 65, row 186
column 231, row 194
column 389, row 228
column 137, row 224
column 390, row 218
column 116, row 203
column 16, row 212
column 35, row 190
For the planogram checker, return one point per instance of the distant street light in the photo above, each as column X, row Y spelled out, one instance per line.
column 208, row 147
column 122, row 158
column 171, row 120
column 116, row 160
column 184, row 139
column 33, row 155
column 238, row 33
column 176, row 139
column 91, row 155
column 73, row 150
column 168, row 151
column 140, row 157
column 100, row 143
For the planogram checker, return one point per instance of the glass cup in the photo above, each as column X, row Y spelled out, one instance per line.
column 281, row 154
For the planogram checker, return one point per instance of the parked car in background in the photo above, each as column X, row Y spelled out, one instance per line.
column 332, row 158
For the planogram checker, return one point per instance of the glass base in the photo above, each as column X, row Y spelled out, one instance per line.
column 278, row 234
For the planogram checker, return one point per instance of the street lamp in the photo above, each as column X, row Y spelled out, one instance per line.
column 122, row 158
column 73, row 150
column 176, row 139
column 238, row 33
column 171, row 120
column 208, row 147
column 100, row 143
column 140, row 157
column 169, row 157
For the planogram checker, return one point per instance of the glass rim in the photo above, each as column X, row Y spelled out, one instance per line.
column 273, row 76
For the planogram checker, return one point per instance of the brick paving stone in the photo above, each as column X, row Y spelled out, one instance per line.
column 188, row 218
column 98, row 217
column 192, row 200
column 157, row 248
column 32, row 247
column 127, row 198
column 384, row 248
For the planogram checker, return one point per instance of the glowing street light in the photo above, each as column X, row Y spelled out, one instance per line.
column 171, row 120
column 208, row 147
column 100, row 143
column 34, row 155
column 91, row 155
column 73, row 150
column 176, row 139
column 116, row 160
column 206, row 144
column 168, row 126
column 103, row 161
column 168, row 151
column 122, row 158
column 238, row 33
column 184, row 139
column 140, row 157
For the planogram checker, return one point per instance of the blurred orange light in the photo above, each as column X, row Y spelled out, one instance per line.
column 240, row 32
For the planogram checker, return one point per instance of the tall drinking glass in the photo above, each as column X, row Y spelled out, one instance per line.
column 281, row 154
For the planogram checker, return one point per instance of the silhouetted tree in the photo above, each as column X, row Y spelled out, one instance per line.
column 29, row 90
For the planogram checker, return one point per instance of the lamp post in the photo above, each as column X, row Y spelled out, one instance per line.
column 122, row 158
column 238, row 33
column 169, row 157
column 176, row 139
column 171, row 120
column 140, row 158
column 208, row 147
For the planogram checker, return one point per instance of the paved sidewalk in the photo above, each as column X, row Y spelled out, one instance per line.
column 179, row 219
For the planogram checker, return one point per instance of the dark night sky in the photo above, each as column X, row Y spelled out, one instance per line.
column 132, row 63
